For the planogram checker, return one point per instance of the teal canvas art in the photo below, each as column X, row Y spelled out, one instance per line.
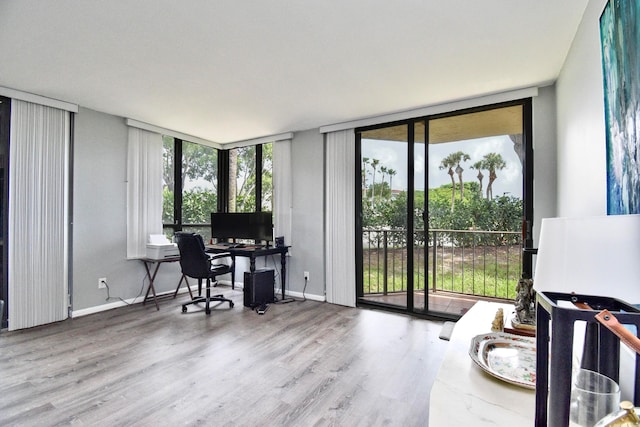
column 620, row 41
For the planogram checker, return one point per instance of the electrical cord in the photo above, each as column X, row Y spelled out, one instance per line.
column 109, row 297
column 275, row 267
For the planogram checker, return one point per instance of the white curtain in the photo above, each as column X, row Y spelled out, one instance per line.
column 38, row 210
column 340, row 218
column 144, row 190
column 282, row 189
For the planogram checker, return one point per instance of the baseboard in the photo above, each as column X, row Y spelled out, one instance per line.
column 100, row 308
column 278, row 292
column 117, row 304
column 299, row 295
column 238, row 286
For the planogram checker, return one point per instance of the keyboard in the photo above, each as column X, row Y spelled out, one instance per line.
column 232, row 245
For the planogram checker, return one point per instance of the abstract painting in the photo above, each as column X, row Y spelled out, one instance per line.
column 620, row 40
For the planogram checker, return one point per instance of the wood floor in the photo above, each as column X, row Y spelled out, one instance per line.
column 304, row 363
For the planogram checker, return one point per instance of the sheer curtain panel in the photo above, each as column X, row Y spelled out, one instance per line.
column 144, row 190
column 38, row 210
column 340, row 218
column 282, row 189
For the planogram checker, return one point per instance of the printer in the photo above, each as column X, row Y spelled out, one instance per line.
column 159, row 247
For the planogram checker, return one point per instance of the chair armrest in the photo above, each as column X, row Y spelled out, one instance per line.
column 218, row 255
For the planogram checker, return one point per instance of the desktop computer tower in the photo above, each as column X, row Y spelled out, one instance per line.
column 258, row 288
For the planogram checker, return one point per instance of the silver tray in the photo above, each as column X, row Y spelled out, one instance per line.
column 508, row 357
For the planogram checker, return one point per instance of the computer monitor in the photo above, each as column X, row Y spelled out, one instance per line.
column 242, row 225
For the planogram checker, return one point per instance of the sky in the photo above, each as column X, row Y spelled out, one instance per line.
column 392, row 154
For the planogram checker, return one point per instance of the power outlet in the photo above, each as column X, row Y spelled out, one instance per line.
column 306, row 276
column 102, row 283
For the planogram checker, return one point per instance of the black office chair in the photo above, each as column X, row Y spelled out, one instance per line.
column 196, row 263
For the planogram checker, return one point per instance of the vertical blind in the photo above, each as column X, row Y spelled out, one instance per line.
column 144, row 189
column 38, row 209
column 340, row 218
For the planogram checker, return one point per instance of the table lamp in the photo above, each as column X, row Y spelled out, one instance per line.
column 591, row 256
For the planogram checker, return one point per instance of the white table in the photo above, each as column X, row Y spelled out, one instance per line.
column 465, row 395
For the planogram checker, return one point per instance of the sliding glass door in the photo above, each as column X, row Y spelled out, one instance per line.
column 475, row 204
column 385, row 207
column 419, row 300
column 443, row 203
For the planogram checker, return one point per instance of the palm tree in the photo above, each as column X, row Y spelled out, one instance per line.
column 374, row 166
column 448, row 163
column 493, row 162
column 383, row 171
column 478, row 166
column 392, row 173
column 459, row 157
column 365, row 163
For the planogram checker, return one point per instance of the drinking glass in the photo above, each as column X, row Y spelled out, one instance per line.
column 593, row 396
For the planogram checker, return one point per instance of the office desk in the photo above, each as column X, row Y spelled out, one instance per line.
column 252, row 252
column 148, row 265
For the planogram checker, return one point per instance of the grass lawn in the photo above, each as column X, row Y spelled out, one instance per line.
column 490, row 271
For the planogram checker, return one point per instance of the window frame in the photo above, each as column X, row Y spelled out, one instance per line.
column 223, row 191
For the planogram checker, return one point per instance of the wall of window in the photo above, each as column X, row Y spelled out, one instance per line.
column 267, row 177
column 251, row 178
column 190, row 192
column 211, row 180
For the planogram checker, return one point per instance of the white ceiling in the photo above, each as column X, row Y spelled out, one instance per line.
column 232, row 70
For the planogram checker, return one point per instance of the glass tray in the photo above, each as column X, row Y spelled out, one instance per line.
column 508, row 357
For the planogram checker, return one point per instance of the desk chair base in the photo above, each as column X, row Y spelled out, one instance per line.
column 207, row 299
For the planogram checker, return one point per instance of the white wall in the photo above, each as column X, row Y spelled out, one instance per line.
column 99, row 216
column 581, row 153
column 307, row 154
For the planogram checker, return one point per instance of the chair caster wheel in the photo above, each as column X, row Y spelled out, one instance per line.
column 184, row 309
column 231, row 305
column 208, row 311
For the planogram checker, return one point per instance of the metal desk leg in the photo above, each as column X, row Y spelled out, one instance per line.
column 186, row 282
column 233, row 271
column 151, row 288
column 283, row 271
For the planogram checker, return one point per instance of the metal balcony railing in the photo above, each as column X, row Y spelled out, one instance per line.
column 469, row 262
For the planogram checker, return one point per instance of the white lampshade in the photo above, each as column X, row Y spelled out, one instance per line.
column 591, row 256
